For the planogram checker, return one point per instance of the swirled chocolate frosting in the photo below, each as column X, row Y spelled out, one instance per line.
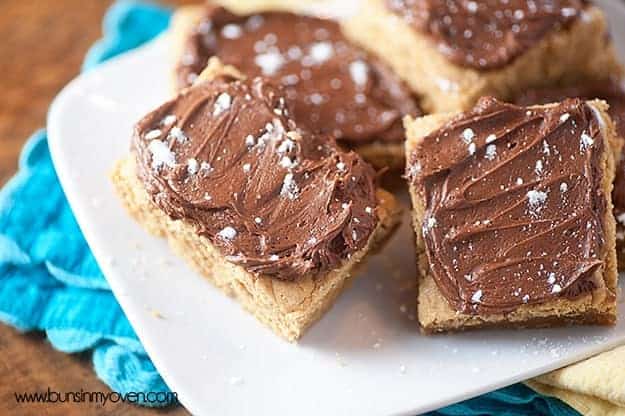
column 226, row 156
column 334, row 87
column 514, row 204
column 486, row 34
column 614, row 94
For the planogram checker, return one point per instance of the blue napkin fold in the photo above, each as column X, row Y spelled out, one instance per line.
column 49, row 280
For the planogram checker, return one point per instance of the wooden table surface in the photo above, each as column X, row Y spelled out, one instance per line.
column 41, row 48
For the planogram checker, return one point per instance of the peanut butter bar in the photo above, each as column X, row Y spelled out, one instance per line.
column 273, row 215
column 452, row 52
column 614, row 93
column 513, row 215
column 335, row 87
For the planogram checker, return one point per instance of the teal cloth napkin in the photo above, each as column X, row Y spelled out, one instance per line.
column 49, row 280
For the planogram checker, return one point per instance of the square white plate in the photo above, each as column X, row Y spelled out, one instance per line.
column 364, row 357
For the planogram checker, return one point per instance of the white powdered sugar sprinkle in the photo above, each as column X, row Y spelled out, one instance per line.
column 556, row 288
column 269, row 62
column 536, row 199
column 231, row 31
column 491, row 152
column 222, row 103
column 472, row 148
column 585, row 141
column 192, row 166
column 358, row 70
column 546, row 149
column 161, row 154
column 273, row 131
column 169, row 120
column 568, row 11
column 428, row 224
column 228, row 233
column 468, row 135
column 414, row 170
column 287, row 163
column 249, row 140
column 321, row 52
column 539, row 167
column 552, row 278
column 153, row 134
column 205, row 167
column 490, row 138
column 286, row 146
column 178, row 134
column 477, row 297
column 316, row 98
column 564, row 117
column 289, row 187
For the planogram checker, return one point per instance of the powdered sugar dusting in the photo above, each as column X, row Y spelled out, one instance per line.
column 178, row 134
column 227, row 233
column 161, row 154
column 585, row 141
column 468, row 135
column 321, row 52
column 153, row 134
column 289, row 189
column 231, row 31
column 269, row 62
column 477, row 297
column 358, row 70
column 536, row 199
column 222, row 103
column 491, row 152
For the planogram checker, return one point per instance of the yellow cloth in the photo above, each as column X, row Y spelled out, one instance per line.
column 594, row 387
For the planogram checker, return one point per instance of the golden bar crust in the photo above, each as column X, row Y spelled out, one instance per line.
column 596, row 307
column 579, row 52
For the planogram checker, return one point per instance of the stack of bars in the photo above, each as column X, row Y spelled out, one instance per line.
column 261, row 170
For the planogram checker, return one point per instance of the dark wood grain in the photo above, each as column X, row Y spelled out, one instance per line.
column 42, row 44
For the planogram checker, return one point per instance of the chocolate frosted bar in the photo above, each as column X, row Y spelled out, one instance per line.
column 274, row 215
column 334, row 86
column 513, row 215
column 452, row 52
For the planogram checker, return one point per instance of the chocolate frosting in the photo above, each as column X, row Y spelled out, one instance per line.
column 334, row 87
column 486, row 34
column 614, row 94
column 514, row 205
column 226, row 156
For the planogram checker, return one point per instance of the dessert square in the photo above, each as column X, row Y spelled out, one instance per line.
column 453, row 52
column 613, row 93
column 273, row 215
column 513, row 215
column 335, row 87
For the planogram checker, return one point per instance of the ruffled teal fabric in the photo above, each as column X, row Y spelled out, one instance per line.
column 50, row 281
